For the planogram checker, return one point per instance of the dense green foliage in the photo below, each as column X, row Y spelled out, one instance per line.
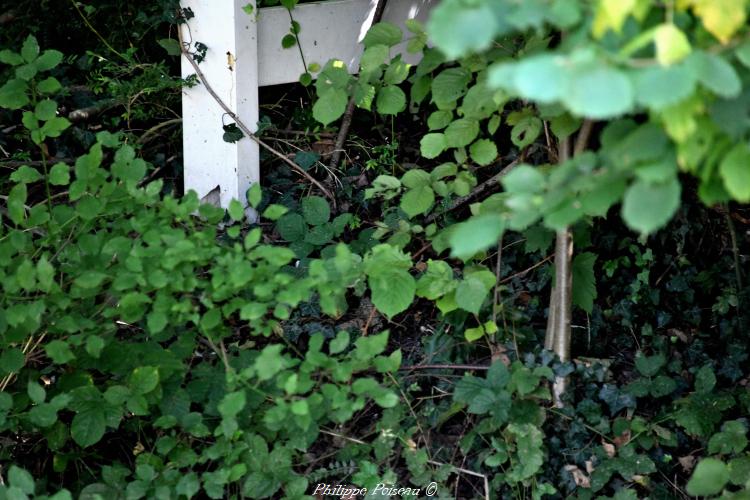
column 153, row 347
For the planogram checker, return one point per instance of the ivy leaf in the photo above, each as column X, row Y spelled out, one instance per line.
column 735, row 172
column 705, row 380
column 330, row 105
column 599, row 92
column 709, row 478
column 584, row 281
column 647, row 207
column 458, row 29
column 475, row 235
column 648, row 366
column 391, row 100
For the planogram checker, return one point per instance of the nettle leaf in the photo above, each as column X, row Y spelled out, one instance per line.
column 735, row 172
column 383, row 33
column 647, row 207
column 330, row 105
column 391, row 100
column 584, row 281
column 457, row 28
column 316, row 210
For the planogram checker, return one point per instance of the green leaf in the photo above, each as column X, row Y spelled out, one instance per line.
column 472, row 334
column 470, row 294
column 330, row 105
column 432, row 145
column 189, row 484
column 715, row 74
column 59, row 174
column 391, row 285
column 10, row 57
column 731, row 439
column 672, row 45
column 648, row 366
column 339, row 343
column 461, row 132
column 21, row 479
column 49, row 86
column 30, row 49
column 450, row 84
column 45, row 110
column 143, row 379
column 705, row 380
column 255, row 194
column 232, row 404
column 735, row 172
column 274, row 212
column 13, row 94
column 171, row 45
column 584, row 281
column 475, row 235
column 709, row 478
column 316, row 210
column 391, row 100
column 459, row 28
column 43, row 415
column 372, row 58
column 657, row 87
column 436, row 281
column 236, row 212
column 11, row 361
column 292, row 227
column 722, row 18
column 288, row 41
column 26, row 175
column 88, row 426
column 599, row 92
column 542, row 78
column 483, row 152
column 647, row 207
column 417, row 201
column 438, row 120
column 36, row 392
column 59, row 352
column 382, row 33
column 524, row 179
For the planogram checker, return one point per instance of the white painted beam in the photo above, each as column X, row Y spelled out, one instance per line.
column 224, row 28
column 330, row 30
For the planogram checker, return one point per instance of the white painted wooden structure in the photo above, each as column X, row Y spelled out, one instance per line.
column 330, row 30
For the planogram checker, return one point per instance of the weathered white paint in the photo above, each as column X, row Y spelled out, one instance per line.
column 330, row 30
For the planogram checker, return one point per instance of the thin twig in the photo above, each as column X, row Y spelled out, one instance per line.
column 462, row 200
column 244, row 127
column 444, row 367
column 468, row 472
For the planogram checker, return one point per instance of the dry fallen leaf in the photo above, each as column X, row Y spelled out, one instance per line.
column 579, row 476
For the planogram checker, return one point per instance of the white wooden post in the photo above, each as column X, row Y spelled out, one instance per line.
column 227, row 31
column 330, row 30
